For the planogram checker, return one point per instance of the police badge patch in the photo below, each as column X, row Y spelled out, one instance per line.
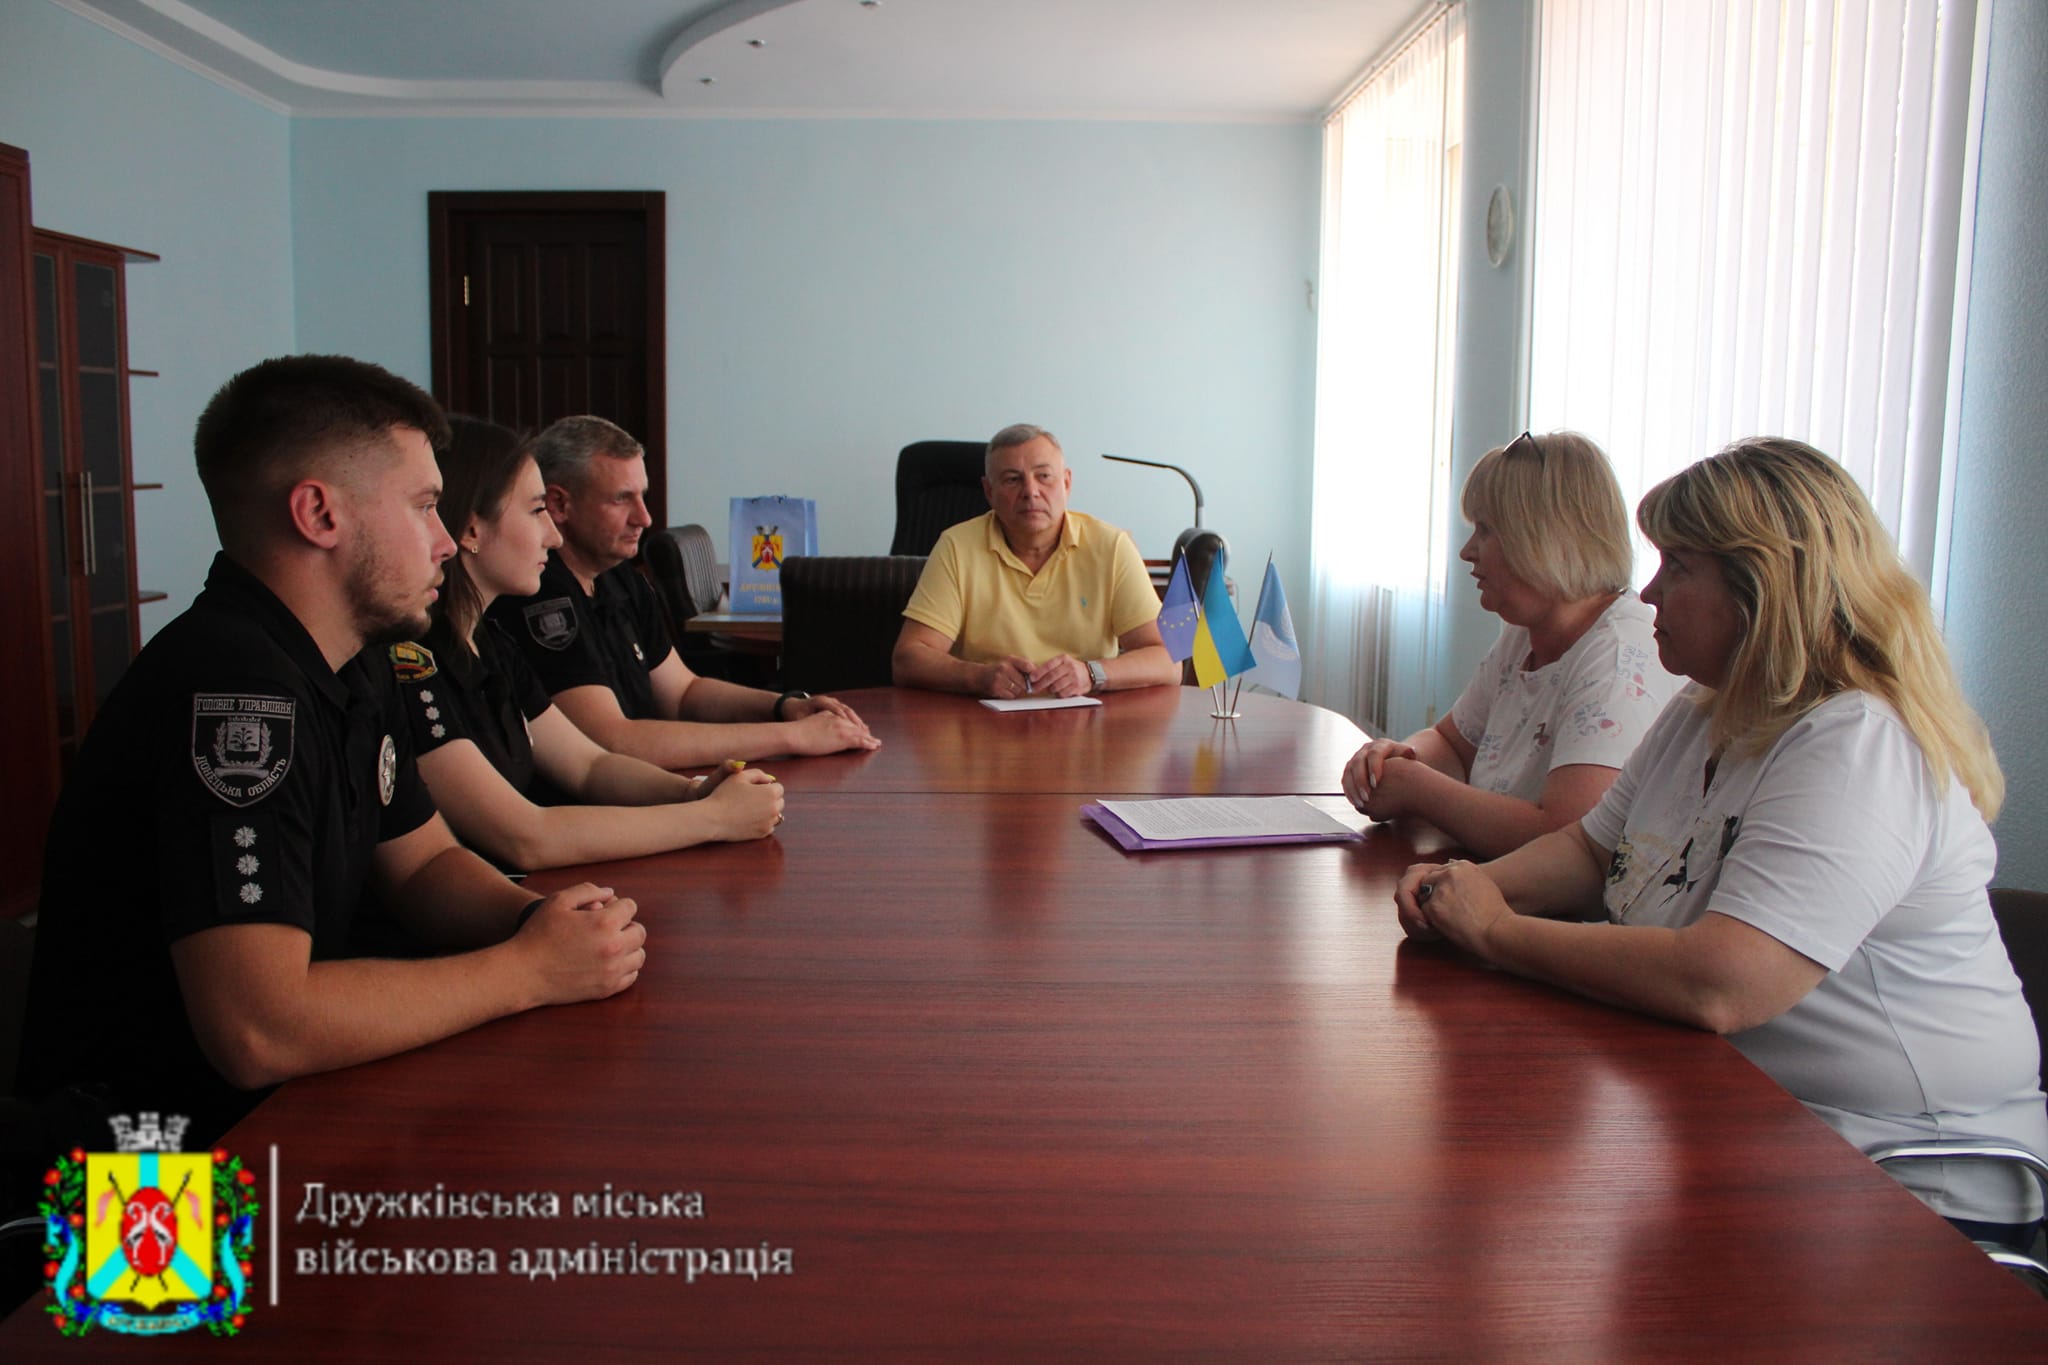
column 552, row 623
column 387, row 770
column 412, row 663
column 241, row 745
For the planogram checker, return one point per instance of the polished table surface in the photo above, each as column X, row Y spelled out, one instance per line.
column 749, row 625
column 1158, row 741
column 1004, row 1091
column 741, row 632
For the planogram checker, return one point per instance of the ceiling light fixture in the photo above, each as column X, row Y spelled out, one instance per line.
column 707, row 80
column 757, row 42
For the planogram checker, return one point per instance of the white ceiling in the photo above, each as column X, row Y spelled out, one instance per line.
column 1134, row 59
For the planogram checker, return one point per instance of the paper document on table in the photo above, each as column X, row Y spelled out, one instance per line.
column 1038, row 703
column 1201, row 821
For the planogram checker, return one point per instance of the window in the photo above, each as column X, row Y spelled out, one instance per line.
column 1386, row 321
column 1746, row 220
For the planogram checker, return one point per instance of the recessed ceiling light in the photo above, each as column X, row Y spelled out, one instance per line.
column 707, row 80
column 757, row 42
column 870, row 4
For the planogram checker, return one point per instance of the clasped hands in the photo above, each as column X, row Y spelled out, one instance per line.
column 827, row 725
column 1383, row 779
column 1453, row 900
column 1063, row 675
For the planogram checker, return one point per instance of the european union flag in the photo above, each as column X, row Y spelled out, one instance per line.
column 1178, row 614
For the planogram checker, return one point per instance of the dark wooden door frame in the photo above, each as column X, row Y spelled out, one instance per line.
column 450, row 341
column 28, row 722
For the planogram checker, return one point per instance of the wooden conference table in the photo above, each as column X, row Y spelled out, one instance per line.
column 1004, row 1091
column 752, row 629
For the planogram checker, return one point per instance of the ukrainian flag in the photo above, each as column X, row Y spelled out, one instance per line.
column 1220, row 648
column 184, row 1181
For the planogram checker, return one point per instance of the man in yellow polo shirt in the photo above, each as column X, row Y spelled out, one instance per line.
column 1032, row 599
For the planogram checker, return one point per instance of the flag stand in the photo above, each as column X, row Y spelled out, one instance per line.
column 1222, row 712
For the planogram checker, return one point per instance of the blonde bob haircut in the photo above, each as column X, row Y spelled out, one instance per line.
column 1552, row 503
column 1826, row 605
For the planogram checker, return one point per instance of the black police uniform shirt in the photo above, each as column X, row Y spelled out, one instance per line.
column 486, row 698
column 614, row 637
column 231, row 778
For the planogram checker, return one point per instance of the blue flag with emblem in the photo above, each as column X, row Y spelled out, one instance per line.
column 1273, row 642
column 1178, row 613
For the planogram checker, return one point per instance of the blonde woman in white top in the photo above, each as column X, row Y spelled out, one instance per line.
column 1569, row 688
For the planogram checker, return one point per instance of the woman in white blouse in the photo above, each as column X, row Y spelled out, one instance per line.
column 1568, row 689
column 1796, row 855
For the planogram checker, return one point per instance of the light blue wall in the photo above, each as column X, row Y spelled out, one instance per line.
column 838, row 288
column 126, row 147
column 1487, row 404
column 1997, row 609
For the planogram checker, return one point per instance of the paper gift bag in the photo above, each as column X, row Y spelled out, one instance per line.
column 765, row 531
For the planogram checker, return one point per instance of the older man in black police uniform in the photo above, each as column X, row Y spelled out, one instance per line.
column 595, row 633
column 247, row 785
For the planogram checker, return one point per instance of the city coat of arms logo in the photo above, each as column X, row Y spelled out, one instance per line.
column 148, row 1240
column 767, row 547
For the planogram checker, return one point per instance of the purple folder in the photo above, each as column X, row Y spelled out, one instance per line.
column 1136, row 843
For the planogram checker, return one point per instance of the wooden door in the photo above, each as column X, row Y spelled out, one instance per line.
column 550, row 305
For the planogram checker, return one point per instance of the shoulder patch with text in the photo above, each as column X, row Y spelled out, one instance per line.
column 552, row 623
column 241, row 744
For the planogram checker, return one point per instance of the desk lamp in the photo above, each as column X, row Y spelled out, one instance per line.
column 1201, row 547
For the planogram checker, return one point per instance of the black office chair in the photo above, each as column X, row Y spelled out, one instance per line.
column 938, row 484
column 2023, row 923
column 684, row 566
column 841, row 617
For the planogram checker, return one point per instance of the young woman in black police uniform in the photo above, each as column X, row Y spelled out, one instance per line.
column 494, row 750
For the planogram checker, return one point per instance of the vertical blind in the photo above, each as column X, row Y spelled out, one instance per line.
column 1385, row 321
column 1746, row 220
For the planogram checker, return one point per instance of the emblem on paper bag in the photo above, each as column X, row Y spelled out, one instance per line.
column 552, row 623
column 148, row 1240
column 767, row 547
column 242, row 745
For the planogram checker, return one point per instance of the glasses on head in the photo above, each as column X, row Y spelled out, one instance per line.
column 1525, row 440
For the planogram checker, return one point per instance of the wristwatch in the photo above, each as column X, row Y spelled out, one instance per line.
column 788, row 696
column 1098, row 676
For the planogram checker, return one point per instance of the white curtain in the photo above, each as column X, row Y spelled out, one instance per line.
column 1386, row 317
column 1745, row 220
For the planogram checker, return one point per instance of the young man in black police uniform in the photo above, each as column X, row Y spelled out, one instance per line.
column 595, row 633
column 249, row 783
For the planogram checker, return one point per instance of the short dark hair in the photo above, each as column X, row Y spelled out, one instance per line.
column 271, row 423
column 478, row 466
column 565, row 449
column 1017, row 434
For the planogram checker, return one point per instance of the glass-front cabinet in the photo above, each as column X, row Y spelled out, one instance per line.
column 88, row 510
